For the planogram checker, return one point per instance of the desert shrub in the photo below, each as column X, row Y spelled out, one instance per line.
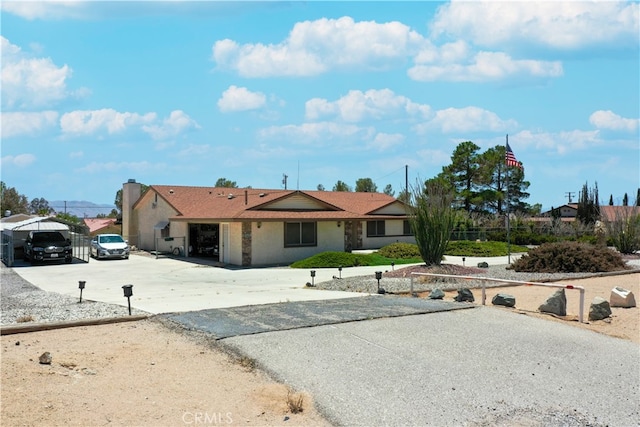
column 400, row 251
column 569, row 257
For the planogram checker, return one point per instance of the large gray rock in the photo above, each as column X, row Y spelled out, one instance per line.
column 436, row 294
column 483, row 264
column 621, row 297
column 464, row 295
column 555, row 304
column 504, row 299
column 599, row 309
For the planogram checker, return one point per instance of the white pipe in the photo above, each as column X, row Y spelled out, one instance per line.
column 519, row 282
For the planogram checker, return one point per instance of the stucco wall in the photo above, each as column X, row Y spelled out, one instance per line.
column 393, row 234
column 268, row 243
column 235, row 243
column 147, row 217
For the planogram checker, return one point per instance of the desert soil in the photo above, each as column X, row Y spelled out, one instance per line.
column 145, row 374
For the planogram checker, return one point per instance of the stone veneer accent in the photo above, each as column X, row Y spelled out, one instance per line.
column 246, row 244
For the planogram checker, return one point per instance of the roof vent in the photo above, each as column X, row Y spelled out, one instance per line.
column 171, row 191
column 230, row 196
column 262, row 194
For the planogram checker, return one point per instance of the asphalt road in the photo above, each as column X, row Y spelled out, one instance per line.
column 463, row 367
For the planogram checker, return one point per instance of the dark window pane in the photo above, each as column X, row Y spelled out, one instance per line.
column 308, row 233
column 292, row 233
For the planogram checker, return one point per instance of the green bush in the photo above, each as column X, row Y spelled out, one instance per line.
column 400, row 251
column 569, row 257
column 483, row 249
column 333, row 259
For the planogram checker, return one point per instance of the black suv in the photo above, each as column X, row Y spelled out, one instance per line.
column 43, row 246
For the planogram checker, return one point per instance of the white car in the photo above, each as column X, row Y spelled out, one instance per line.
column 109, row 246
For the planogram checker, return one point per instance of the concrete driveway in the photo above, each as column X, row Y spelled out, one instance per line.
column 166, row 285
column 172, row 285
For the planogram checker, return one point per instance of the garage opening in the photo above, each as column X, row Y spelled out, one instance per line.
column 204, row 241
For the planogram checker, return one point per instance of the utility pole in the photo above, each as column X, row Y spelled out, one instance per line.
column 569, row 194
column 284, row 180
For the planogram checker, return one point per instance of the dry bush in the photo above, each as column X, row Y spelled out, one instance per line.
column 570, row 257
column 25, row 319
column 295, row 402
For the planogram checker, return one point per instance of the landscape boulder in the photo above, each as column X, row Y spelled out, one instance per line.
column 45, row 358
column 599, row 309
column 483, row 264
column 504, row 299
column 555, row 304
column 436, row 294
column 621, row 297
column 464, row 295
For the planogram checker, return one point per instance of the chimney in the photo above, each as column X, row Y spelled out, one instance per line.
column 130, row 194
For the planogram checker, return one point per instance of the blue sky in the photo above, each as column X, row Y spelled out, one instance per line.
column 184, row 93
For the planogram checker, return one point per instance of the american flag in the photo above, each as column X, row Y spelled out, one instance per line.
column 510, row 158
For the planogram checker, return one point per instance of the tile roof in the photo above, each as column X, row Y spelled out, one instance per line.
column 254, row 204
column 95, row 224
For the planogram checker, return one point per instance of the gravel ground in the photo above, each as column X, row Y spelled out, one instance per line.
column 20, row 302
column 403, row 285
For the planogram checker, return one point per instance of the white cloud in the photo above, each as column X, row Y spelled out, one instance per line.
column 314, row 47
column 357, row 106
column 483, row 66
column 32, row 82
column 175, row 124
column 240, row 99
column 21, row 160
column 554, row 24
column 609, row 120
column 89, row 122
column 321, row 132
column 27, row 124
column 50, row 9
column 137, row 167
column 468, row 119
column 564, row 142
column 194, row 150
column 385, row 141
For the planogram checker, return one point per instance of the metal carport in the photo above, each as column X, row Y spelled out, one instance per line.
column 15, row 233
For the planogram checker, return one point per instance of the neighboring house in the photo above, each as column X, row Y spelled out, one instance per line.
column 251, row 227
column 566, row 211
column 97, row 225
column 608, row 213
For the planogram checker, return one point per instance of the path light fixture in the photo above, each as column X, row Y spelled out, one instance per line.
column 128, row 292
column 340, row 271
column 378, row 277
column 463, row 260
column 81, row 284
column 313, row 275
column 393, row 265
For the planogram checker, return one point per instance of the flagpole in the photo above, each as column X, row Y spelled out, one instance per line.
column 507, row 208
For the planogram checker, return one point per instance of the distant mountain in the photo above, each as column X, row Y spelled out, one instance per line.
column 81, row 209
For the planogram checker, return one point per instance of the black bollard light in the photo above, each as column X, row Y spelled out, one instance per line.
column 393, row 266
column 378, row 277
column 128, row 292
column 313, row 275
column 340, row 271
column 81, row 284
column 463, row 259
